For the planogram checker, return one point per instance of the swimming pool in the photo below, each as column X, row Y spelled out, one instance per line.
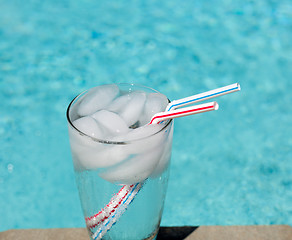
column 230, row 167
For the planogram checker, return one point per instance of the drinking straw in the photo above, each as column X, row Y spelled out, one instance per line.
column 103, row 229
column 117, row 200
column 109, row 215
column 104, row 213
column 202, row 96
column 206, row 107
column 111, row 207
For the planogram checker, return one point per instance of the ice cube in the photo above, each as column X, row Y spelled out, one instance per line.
column 97, row 98
column 140, row 132
column 135, row 169
column 89, row 126
column 91, row 154
column 165, row 158
column 81, row 146
column 155, row 102
column 99, row 157
column 133, row 109
column 143, row 139
column 118, row 104
column 111, row 121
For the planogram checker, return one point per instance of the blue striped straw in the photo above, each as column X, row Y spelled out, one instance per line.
column 106, row 226
column 202, row 96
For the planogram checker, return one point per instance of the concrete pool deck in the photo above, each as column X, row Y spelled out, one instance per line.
column 259, row 232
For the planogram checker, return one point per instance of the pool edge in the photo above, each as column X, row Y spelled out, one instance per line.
column 252, row 232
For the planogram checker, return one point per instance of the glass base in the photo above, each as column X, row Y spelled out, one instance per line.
column 153, row 236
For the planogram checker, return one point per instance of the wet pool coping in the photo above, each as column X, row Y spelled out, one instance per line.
column 258, row 232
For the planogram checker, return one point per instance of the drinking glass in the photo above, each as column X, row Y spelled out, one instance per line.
column 122, row 182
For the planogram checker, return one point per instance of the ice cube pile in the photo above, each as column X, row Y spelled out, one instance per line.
column 114, row 136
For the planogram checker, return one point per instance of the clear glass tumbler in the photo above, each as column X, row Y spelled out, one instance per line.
column 121, row 181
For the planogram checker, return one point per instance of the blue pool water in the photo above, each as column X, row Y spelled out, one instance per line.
column 229, row 167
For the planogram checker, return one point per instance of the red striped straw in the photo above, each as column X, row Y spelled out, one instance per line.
column 117, row 200
column 110, row 214
column 107, row 224
column 104, row 218
column 162, row 116
column 104, row 213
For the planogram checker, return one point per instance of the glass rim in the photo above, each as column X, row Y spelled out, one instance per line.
column 104, row 141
